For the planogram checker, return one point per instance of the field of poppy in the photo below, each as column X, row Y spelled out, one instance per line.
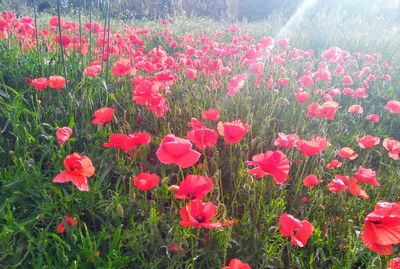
column 154, row 146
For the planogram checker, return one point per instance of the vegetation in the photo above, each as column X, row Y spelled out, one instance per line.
column 117, row 225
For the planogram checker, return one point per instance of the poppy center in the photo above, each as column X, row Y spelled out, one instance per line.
column 200, row 219
column 376, row 222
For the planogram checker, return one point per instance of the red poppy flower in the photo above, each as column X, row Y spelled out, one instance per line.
column 338, row 184
column 127, row 142
column 301, row 96
column 311, row 180
column 146, row 181
column 40, row 83
column 298, row 231
column 203, row 137
column 333, row 164
column 63, row 134
column 373, row 117
column 177, row 151
column 347, row 81
column 347, row 153
column 176, row 247
column 393, row 106
column 53, row 22
column 361, row 92
column 313, row 110
column 61, row 228
column 283, row 42
column 306, row 81
column 312, row 147
column 57, row 82
column 71, row 221
column 367, row 176
column 237, row 264
column 393, row 146
column 65, row 39
column 274, row 163
column 196, row 124
column 356, row 189
column 198, row 214
column 283, row 82
column 236, row 83
column 121, row 67
column 382, row 228
column 394, row 263
column 232, row 131
column 355, row 109
column 368, row 141
column 164, row 21
column 194, row 187
column 328, row 110
column 103, row 115
column 77, row 169
column 210, row 114
column 286, row 141
column 92, row 71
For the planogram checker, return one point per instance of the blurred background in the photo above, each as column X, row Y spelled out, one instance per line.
column 232, row 10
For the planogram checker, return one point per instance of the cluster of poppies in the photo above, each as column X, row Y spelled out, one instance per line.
column 229, row 66
column 54, row 82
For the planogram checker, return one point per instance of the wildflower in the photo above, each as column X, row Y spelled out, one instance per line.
column 203, row 137
column 311, row 181
column 146, row 181
column 175, row 150
column 198, row 214
column 274, row 163
column 57, row 82
column 77, row 170
column 347, row 153
column 40, row 83
column 298, row 231
column 63, row 134
column 103, row 115
column 368, row 141
column 312, row 147
column 382, row 228
column 393, row 106
column 237, row 264
column 127, row 142
column 232, row 131
column 194, row 187
column 210, row 114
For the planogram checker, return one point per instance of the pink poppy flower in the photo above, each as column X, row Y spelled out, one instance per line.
column 311, row 181
column 367, row 176
column 347, row 153
column 77, row 169
column 103, row 115
column 175, row 150
column 298, row 231
column 368, row 141
column 355, row 109
column 232, row 131
column 393, row 106
column 63, row 134
column 372, row 117
column 210, row 114
column 274, row 163
column 198, row 214
column 146, row 181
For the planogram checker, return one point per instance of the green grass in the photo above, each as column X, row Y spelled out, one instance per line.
column 121, row 227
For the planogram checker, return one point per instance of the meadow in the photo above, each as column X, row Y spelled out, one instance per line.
column 190, row 143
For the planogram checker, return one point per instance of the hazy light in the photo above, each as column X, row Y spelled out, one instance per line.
column 301, row 10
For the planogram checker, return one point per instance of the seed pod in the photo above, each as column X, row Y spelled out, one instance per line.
column 120, row 211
